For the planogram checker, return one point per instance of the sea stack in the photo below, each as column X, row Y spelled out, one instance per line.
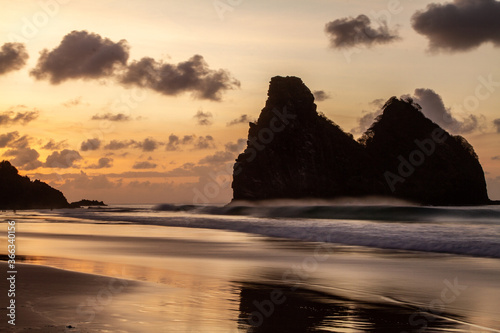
column 295, row 153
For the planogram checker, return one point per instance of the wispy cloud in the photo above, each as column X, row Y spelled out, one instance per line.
column 112, row 117
column 203, row 118
column 243, row 119
column 10, row 117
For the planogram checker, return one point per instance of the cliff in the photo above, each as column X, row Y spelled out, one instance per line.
column 18, row 192
column 294, row 152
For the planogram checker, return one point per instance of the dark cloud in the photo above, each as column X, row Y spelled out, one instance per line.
column 14, row 140
column 11, row 117
column 350, row 32
column 433, row 108
column 496, row 122
column 62, row 159
column 24, row 158
column 7, row 139
column 203, row 118
column 104, row 162
column 206, row 142
column 13, row 57
column 112, row 117
column 175, row 142
column 81, row 55
column 320, row 95
column 117, row 145
column 237, row 146
column 149, row 144
column 144, row 165
column 90, row 144
column 496, row 158
column 52, row 145
column 243, row 119
column 193, row 76
column 459, row 26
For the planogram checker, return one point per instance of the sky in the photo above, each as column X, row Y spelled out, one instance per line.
column 149, row 101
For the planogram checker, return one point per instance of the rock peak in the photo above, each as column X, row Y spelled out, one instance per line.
column 294, row 152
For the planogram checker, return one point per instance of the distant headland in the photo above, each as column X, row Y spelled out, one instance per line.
column 295, row 153
column 19, row 192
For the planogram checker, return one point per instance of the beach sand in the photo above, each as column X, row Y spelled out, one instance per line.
column 131, row 278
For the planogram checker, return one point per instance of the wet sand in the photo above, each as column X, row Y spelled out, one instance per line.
column 130, row 278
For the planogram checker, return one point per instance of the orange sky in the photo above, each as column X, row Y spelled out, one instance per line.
column 128, row 125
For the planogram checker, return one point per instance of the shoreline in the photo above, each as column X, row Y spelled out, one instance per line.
column 205, row 280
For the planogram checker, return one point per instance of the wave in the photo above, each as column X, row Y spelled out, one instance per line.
column 344, row 212
column 472, row 231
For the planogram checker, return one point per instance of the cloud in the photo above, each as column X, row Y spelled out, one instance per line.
column 73, row 102
column 52, row 145
column 203, row 118
column 112, row 117
column 90, row 144
column 13, row 57
column 217, row 158
column 117, row 145
column 149, row 144
column 237, row 146
column 14, row 140
column 8, row 138
column 144, row 165
column 243, row 119
column 351, row 32
column 496, row 158
column 496, row 122
column 11, row 117
column 103, row 162
column 459, row 26
column 174, row 141
column 368, row 118
column 24, row 158
column 320, row 95
column 433, row 108
column 206, row 142
column 63, row 159
column 86, row 183
column 193, row 75
column 81, row 55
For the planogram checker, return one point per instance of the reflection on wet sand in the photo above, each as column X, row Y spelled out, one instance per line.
column 277, row 308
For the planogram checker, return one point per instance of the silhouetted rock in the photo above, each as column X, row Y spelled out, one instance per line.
column 87, row 203
column 423, row 162
column 294, row 152
column 19, row 192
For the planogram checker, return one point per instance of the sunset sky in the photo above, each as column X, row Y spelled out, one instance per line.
column 149, row 101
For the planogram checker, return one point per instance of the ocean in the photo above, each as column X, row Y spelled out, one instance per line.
column 282, row 266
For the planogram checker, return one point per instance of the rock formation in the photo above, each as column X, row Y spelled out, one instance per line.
column 294, row 152
column 18, row 192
